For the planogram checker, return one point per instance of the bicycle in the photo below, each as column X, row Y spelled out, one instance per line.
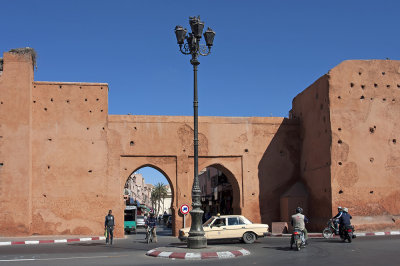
column 149, row 234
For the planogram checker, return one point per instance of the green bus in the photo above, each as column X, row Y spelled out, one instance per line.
column 130, row 219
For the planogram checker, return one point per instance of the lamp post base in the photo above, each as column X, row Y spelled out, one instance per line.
column 197, row 242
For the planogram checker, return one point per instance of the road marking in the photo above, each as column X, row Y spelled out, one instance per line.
column 379, row 233
column 5, row 243
column 395, row 232
column 85, row 239
column 60, row 241
column 32, row 242
column 70, row 258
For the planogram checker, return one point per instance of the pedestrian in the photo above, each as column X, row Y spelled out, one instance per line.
column 109, row 226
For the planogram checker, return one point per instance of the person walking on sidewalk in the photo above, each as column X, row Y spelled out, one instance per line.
column 109, row 226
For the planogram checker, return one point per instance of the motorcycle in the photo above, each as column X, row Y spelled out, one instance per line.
column 298, row 239
column 330, row 230
column 347, row 233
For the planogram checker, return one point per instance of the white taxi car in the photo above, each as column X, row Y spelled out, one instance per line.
column 229, row 227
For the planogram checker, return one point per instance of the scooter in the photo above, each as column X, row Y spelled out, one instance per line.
column 330, row 230
column 347, row 233
column 298, row 239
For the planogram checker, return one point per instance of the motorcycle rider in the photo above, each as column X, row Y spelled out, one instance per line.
column 335, row 219
column 152, row 222
column 344, row 220
column 298, row 222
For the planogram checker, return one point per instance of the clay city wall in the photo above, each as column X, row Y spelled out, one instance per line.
column 365, row 111
column 65, row 160
column 311, row 108
column 243, row 148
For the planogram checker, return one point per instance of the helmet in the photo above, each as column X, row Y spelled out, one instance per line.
column 299, row 210
column 339, row 208
column 345, row 209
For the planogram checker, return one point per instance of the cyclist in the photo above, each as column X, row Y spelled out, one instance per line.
column 152, row 223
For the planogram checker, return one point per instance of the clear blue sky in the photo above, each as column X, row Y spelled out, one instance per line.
column 264, row 54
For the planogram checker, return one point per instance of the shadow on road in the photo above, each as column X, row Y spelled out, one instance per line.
column 281, row 248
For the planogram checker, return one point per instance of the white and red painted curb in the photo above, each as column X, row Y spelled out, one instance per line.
column 319, row 235
column 52, row 241
column 198, row 255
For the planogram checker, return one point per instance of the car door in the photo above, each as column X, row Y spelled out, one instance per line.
column 235, row 228
column 217, row 229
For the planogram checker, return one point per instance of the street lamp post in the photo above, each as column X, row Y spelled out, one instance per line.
column 193, row 47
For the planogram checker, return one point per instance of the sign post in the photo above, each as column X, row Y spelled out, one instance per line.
column 184, row 210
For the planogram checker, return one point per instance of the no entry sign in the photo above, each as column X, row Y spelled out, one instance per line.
column 185, row 209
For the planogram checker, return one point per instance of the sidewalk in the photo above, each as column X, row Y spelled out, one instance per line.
column 319, row 235
column 33, row 240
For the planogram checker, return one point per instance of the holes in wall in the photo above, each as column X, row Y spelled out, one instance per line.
column 383, row 73
column 1, row 164
column 103, row 128
column 339, row 129
column 87, row 128
column 393, row 100
column 51, row 100
column 67, row 101
column 44, row 195
column 45, row 109
column 80, row 87
column 362, row 97
column 375, row 85
column 34, row 101
column 34, row 86
column 101, row 110
column 372, row 129
column 49, row 139
column 340, row 141
column 60, row 87
column 359, row 73
column 384, row 99
column 388, row 86
column 90, row 111
column 339, row 163
column 398, row 85
column 371, row 98
column 339, row 97
column 352, row 84
column 394, row 141
column 1, row 102
column 90, row 171
column 92, row 142
column 132, row 143
column 85, row 99
column 48, row 167
column 362, row 86
column 97, row 99
column 371, row 192
column 101, row 88
column 246, row 150
column 340, row 191
column 371, row 160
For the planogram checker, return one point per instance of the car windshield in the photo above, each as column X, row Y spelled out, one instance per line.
column 208, row 222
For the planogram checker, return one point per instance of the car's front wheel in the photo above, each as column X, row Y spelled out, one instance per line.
column 249, row 237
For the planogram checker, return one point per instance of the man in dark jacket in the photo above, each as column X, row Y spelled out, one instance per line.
column 344, row 220
column 109, row 226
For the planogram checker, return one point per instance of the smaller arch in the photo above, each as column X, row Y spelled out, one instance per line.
column 231, row 179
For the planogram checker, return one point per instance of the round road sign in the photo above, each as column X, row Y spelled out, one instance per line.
column 185, row 209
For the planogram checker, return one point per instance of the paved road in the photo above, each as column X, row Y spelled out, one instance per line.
column 272, row 251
